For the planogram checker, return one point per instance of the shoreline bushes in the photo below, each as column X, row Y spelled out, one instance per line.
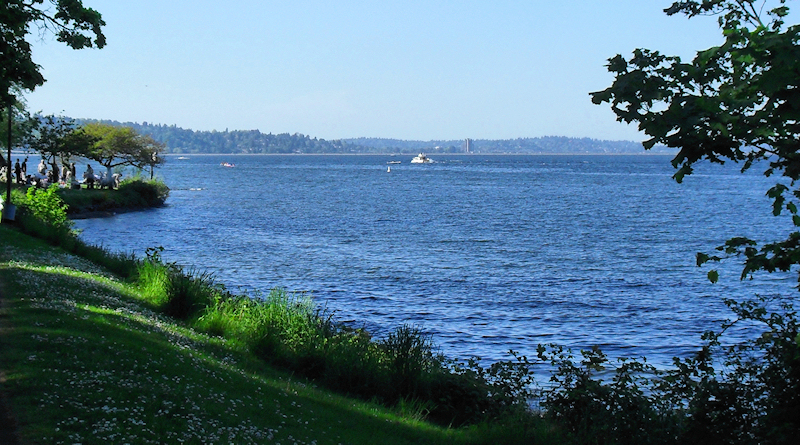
column 132, row 194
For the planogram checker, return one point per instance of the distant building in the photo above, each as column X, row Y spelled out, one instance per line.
column 467, row 145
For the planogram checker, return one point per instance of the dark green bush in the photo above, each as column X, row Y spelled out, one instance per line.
column 746, row 393
column 141, row 193
column 42, row 213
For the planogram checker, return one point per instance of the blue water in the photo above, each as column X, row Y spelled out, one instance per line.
column 486, row 253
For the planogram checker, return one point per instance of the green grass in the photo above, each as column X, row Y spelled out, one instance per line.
column 87, row 360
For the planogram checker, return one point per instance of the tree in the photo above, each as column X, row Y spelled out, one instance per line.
column 118, row 146
column 56, row 137
column 151, row 153
column 739, row 102
column 72, row 23
column 22, row 124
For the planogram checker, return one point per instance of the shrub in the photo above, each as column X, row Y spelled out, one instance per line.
column 746, row 393
column 596, row 410
column 42, row 213
column 47, row 206
column 137, row 192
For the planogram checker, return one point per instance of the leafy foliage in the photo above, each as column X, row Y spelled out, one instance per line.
column 43, row 214
column 72, row 23
column 114, row 146
column 735, row 102
column 47, row 206
column 55, row 136
column 137, row 192
column 744, row 393
column 739, row 102
column 21, row 123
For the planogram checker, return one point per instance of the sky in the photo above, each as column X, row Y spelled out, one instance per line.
column 414, row 70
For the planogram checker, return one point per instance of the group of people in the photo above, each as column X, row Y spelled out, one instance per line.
column 65, row 176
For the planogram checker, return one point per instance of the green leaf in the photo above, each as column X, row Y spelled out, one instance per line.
column 713, row 276
column 702, row 258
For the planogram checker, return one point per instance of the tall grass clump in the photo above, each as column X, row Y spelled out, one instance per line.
column 188, row 293
column 152, row 276
column 175, row 292
column 410, row 359
column 281, row 328
column 403, row 370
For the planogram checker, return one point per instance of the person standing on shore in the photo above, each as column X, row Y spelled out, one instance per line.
column 88, row 176
column 42, row 169
column 54, row 172
column 64, row 170
column 18, row 172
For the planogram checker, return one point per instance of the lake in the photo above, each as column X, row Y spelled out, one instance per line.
column 486, row 253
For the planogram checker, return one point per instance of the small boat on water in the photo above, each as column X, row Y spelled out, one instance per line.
column 394, row 162
column 227, row 164
column 421, row 159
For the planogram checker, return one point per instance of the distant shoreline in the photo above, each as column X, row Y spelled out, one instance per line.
column 644, row 153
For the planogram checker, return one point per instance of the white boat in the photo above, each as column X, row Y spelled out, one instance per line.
column 421, row 159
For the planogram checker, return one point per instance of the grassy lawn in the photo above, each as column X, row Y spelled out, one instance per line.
column 86, row 361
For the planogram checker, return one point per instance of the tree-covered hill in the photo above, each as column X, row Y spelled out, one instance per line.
column 181, row 140
column 540, row 145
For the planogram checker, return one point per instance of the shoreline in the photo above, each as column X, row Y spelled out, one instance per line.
column 395, row 154
column 90, row 214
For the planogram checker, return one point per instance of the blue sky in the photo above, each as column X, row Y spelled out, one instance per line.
column 339, row 69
